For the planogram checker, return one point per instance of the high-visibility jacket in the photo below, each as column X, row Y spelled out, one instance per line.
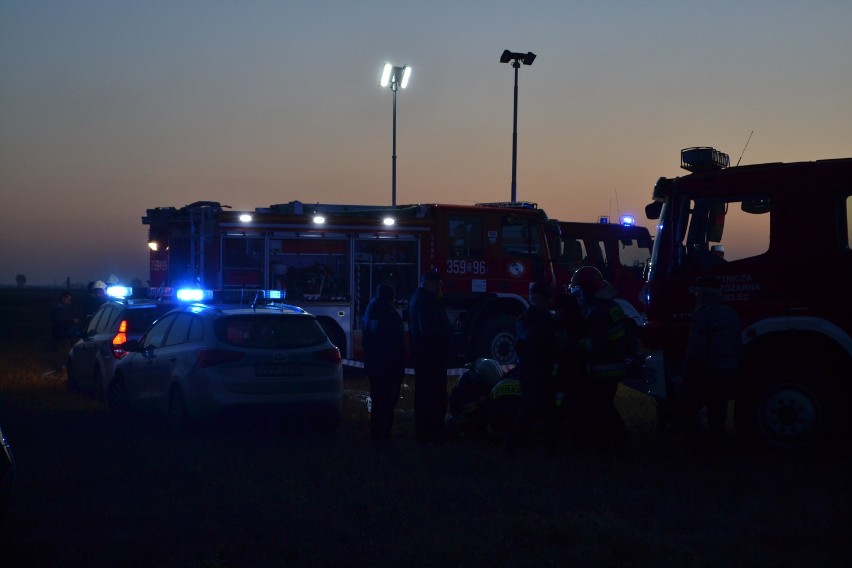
column 608, row 339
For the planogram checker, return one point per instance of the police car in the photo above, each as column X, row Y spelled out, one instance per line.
column 93, row 358
column 207, row 359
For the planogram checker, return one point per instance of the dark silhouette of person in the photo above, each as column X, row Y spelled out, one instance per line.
column 608, row 340
column 62, row 322
column 712, row 360
column 535, row 347
column 429, row 329
column 384, row 360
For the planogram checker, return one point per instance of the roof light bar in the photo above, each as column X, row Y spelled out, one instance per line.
column 193, row 295
column 119, row 291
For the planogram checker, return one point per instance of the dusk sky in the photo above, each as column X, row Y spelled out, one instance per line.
column 109, row 108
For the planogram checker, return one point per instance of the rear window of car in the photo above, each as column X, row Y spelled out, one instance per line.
column 140, row 319
column 273, row 331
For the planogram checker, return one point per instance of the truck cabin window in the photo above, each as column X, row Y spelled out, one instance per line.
column 723, row 230
column 465, row 236
column 520, row 237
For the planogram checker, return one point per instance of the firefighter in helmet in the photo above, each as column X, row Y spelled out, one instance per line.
column 608, row 339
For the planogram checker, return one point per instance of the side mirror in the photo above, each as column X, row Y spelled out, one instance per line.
column 756, row 206
column 131, row 346
column 653, row 209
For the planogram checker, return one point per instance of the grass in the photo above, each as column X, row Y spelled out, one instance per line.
column 95, row 491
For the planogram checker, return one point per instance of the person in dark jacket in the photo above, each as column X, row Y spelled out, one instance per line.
column 384, row 360
column 569, row 369
column 62, row 323
column 608, row 340
column 535, row 347
column 712, row 360
column 429, row 329
column 95, row 298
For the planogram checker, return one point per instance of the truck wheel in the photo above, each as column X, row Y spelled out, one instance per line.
column 496, row 339
column 786, row 416
column 796, row 404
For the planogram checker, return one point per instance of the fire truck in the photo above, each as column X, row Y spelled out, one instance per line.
column 786, row 267
column 329, row 259
column 621, row 252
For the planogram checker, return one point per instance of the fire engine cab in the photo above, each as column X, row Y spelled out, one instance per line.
column 329, row 259
column 778, row 237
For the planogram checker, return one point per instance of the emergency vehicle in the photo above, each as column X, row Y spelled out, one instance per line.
column 786, row 267
column 621, row 252
column 329, row 259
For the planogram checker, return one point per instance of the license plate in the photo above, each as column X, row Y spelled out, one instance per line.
column 278, row 370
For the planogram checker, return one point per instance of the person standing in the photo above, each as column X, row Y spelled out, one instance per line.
column 384, row 360
column 535, row 347
column 569, row 367
column 608, row 340
column 429, row 329
column 95, row 297
column 61, row 323
column 713, row 352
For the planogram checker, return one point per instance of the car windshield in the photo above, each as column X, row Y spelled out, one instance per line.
column 273, row 331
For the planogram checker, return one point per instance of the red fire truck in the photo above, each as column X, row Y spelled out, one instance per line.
column 329, row 259
column 621, row 252
column 786, row 267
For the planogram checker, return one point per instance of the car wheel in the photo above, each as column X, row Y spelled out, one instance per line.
column 116, row 395
column 178, row 415
column 98, row 385
column 71, row 379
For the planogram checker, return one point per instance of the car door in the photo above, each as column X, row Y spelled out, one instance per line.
column 149, row 365
column 84, row 352
column 171, row 363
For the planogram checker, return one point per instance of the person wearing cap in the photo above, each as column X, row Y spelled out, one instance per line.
column 94, row 298
column 609, row 338
column 712, row 358
column 429, row 329
column 535, row 346
column 384, row 360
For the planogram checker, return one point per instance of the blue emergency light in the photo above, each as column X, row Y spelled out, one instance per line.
column 628, row 220
column 119, row 292
column 193, row 295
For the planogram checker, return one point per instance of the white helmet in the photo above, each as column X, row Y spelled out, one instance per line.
column 99, row 284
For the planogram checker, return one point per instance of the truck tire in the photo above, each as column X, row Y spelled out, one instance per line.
column 495, row 339
column 793, row 409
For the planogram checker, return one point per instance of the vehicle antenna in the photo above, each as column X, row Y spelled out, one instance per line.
column 744, row 147
column 617, row 208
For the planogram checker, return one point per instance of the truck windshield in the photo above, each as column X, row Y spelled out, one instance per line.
column 707, row 232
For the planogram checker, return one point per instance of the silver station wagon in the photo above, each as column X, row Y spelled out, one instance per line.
column 201, row 361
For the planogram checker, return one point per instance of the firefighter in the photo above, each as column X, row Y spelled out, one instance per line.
column 608, row 339
column 429, row 329
column 95, row 297
column 384, row 360
column 535, row 348
column 712, row 358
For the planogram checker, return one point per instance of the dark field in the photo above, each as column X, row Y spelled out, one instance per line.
column 97, row 491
